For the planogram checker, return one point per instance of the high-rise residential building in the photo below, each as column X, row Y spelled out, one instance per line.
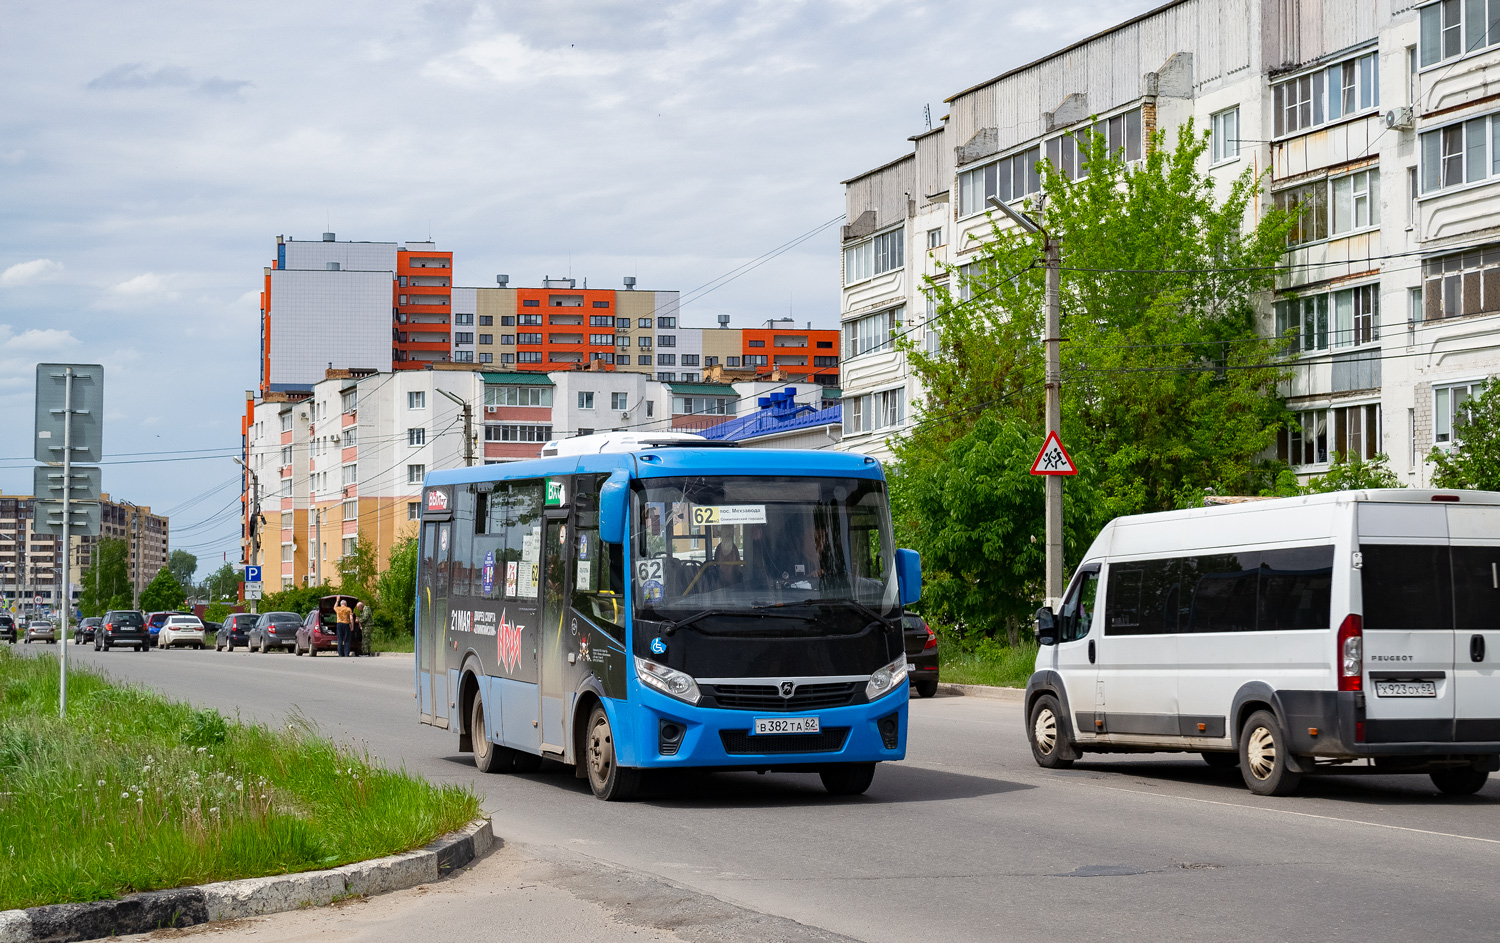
column 427, row 322
column 30, row 561
column 1373, row 119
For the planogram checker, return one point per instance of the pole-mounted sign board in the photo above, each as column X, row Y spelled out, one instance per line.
column 47, row 485
column 88, row 411
column 252, row 574
column 1053, row 459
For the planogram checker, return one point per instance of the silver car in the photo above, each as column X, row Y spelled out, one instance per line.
column 40, row 630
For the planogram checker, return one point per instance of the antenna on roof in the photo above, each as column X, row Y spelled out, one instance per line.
column 927, row 114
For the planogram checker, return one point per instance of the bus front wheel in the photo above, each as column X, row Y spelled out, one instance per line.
column 848, row 779
column 610, row 781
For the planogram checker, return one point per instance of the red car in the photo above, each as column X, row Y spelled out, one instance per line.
column 318, row 633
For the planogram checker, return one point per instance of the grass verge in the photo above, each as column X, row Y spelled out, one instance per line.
column 987, row 663
column 134, row 792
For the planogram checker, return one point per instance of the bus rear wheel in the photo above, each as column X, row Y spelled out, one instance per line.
column 610, row 781
column 488, row 757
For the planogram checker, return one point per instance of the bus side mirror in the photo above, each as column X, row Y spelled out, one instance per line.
column 909, row 575
column 1046, row 626
column 612, row 504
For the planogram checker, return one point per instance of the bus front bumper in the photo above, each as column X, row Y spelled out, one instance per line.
column 667, row 733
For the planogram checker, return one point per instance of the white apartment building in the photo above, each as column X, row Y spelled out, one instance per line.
column 1380, row 118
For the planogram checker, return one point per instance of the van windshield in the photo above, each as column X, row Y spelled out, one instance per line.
column 739, row 544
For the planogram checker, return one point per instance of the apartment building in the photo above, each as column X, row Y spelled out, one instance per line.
column 30, row 562
column 1376, row 119
column 424, row 303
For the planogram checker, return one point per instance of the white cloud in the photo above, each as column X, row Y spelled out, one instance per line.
column 34, row 341
column 147, row 283
column 507, row 59
column 27, row 273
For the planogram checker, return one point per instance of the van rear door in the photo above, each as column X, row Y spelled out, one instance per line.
column 1475, row 536
column 1407, row 584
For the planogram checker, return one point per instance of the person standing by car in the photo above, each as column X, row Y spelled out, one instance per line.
column 344, row 617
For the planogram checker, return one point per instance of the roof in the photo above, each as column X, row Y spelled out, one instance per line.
column 876, row 170
column 527, row 379
column 703, row 389
column 764, row 422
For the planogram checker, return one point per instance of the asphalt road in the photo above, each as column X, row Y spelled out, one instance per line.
column 966, row 839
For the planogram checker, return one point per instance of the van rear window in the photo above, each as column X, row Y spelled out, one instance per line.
column 1431, row 588
column 1260, row 591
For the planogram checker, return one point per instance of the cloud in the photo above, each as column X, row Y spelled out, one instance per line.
column 507, row 59
column 29, row 273
column 33, row 341
column 136, row 76
column 143, row 285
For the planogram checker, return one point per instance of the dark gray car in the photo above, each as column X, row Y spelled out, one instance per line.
column 275, row 630
column 122, row 627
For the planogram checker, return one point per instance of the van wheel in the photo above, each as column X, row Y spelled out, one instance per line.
column 1221, row 760
column 1463, row 781
column 926, row 688
column 848, row 779
column 488, row 757
column 1263, row 757
column 1045, row 731
column 609, row 780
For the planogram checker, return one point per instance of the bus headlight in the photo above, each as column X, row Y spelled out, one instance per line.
column 886, row 680
column 667, row 680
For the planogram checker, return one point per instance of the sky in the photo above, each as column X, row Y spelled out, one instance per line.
column 151, row 152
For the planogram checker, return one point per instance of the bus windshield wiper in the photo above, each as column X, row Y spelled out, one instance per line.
column 859, row 607
column 705, row 613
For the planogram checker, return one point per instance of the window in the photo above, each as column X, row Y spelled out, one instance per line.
column 416, row 437
column 349, row 546
column 286, row 422
column 528, row 356
column 463, row 356
column 414, row 510
column 1265, row 591
column 643, row 342
column 507, row 320
column 644, row 322
column 585, row 400
column 704, row 405
column 348, row 400
column 622, row 324
column 871, row 332
column 666, row 377
column 486, row 338
column 619, row 401
column 350, row 475
column 507, row 340
column 1451, row 28
column 601, row 304
column 286, row 487
column 934, row 238
column 1460, row 153
column 1448, row 414
column 624, row 342
column 1122, row 134
column 1226, row 135
column 872, row 411
column 1356, row 201
column 530, row 320
column 517, row 433
column 351, row 510
column 1355, row 319
column 529, row 338
column 486, row 320
column 286, row 455
column 1310, row 203
column 601, row 340
column 486, row 358
column 415, row 474
column 874, row 257
column 731, row 361
column 1009, row 180
column 601, row 320
column 710, row 361
column 755, row 360
column 890, row 407
column 666, row 360
column 644, row 360
column 666, row 340
column 606, row 357
column 1318, row 436
column 416, row 400
column 690, row 360
column 531, row 303
column 1461, row 284
column 1326, row 95
column 668, row 323
column 507, row 358
column 463, row 319
column 825, row 361
column 756, row 343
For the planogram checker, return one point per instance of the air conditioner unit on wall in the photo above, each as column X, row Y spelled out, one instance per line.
column 1399, row 119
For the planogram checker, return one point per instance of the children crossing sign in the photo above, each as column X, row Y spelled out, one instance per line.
column 1053, row 459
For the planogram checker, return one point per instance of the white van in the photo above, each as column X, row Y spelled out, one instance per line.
column 1357, row 631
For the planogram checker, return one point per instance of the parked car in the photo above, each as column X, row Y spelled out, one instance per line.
column 921, row 654
column 7, row 628
column 359, row 642
column 154, row 622
column 122, row 627
column 40, row 630
column 275, row 630
column 211, row 628
column 318, row 633
column 184, row 630
column 84, row 631
column 235, row 631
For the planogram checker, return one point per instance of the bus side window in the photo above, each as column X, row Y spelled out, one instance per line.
column 598, row 583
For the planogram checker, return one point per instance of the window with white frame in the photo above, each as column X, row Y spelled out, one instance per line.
column 286, row 455
column 1319, row 436
column 585, row 399
column 1329, row 94
column 351, row 437
column 286, row 421
column 935, row 237
column 1465, row 152
column 286, row 487
column 351, row 510
column 1010, row 178
column 518, row 396
column 872, row 412
column 415, row 474
column 414, row 510
column 1344, row 318
column 1448, row 414
column 703, row 405
column 1225, row 136
column 932, row 332
column 871, row 332
column 619, row 401
column 416, row 400
column 1451, row 28
column 349, row 399
column 517, row 433
column 349, row 546
column 884, row 253
column 350, row 475
column 417, row 436
column 1332, row 207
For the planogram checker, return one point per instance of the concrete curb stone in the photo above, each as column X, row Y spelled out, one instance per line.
column 249, row 897
column 983, row 690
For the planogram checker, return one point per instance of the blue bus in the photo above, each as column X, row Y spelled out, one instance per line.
column 645, row 603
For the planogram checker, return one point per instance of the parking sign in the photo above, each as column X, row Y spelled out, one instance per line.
column 252, row 574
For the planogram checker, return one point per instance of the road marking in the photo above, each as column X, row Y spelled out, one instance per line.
column 1306, row 815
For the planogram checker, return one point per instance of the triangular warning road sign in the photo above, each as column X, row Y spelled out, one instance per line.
column 1053, row 459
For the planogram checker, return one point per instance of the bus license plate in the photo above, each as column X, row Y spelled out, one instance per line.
column 1406, row 689
column 764, row 725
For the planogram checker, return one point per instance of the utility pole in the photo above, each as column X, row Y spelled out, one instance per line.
column 1052, row 349
column 468, row 427
column 252, row 521
column 67, row 517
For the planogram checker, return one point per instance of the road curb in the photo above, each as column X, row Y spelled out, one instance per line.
column 977, row 690
column 249, row 897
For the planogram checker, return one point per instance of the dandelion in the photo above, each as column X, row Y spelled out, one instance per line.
column 213, row 810
column 124, row 795
column 203, row 749
column 101, row 783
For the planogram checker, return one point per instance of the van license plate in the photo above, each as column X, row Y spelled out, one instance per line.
column 764, row 725
column 1406, row 689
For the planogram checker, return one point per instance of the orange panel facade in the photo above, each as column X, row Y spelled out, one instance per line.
column 564, row 328
column 812, row 353
column 422, row 301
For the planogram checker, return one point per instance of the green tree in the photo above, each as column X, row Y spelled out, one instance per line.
column 183, row 565
column 163, row 593
column 298, row 599
column 106, row 579
column 1169, row 389
column 357, row 570
column 221, row 583
column 396, row 591
column 1475, row 462
column 1351, row 473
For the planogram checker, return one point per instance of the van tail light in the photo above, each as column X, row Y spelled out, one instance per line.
column 931, row 639
column 1351, row 653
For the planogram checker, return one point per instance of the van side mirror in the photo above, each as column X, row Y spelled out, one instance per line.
column 909, row 576
column 613, row 498
column 1045, row 625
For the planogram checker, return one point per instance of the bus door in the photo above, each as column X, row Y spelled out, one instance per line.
column 1475, row 535
column 426, row 648
column 554, row 631
column 433, row 650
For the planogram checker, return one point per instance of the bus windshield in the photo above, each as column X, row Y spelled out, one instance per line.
column 738, row 544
